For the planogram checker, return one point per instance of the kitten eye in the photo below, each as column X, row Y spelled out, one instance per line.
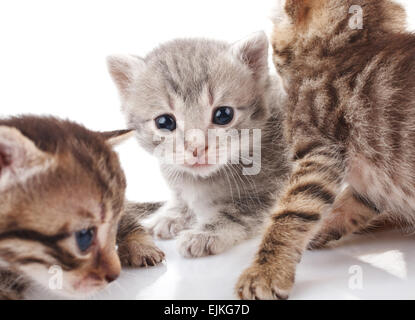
column 223, row 115
column 84, row 238
column 166, row 122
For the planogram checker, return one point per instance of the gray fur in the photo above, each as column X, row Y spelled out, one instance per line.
column 210, row 211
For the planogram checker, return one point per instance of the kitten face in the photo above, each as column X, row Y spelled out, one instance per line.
column 83, row 248
column 189, row 98
column 61, row 202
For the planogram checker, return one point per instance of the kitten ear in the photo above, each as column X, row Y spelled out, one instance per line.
column 124, row 69
column 114, row 138
column 19, row 157
column 253, row 51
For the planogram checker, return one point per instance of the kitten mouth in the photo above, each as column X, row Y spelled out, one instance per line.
column 200, row 169
column 199, row 165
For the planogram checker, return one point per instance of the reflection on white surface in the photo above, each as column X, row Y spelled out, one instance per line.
column 387, row 261
column 392, row 262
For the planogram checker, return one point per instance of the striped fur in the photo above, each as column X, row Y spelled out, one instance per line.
column 57, row 178
column 350, row 120
column 135, row 246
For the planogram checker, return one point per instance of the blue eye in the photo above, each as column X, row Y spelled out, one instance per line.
column 166, row 122
column 223, row 115
column 85, row 238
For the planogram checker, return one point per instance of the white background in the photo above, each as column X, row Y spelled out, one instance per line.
column 52, row 61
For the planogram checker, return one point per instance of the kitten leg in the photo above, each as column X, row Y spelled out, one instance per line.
column 170, row 220
column 351, row 213
column 307, row 199
column 12, row 286
column 221, row 232
column 136, row 248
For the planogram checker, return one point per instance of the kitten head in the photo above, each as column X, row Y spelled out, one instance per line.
column 62, row 194
column 187, row 91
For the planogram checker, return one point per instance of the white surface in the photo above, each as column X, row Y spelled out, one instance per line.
column 52, row 61
column 386, row 261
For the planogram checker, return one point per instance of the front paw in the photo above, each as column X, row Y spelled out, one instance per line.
column 323, row 239
column 164, row 227
column 193, row 244
column 258, row 283
column 139, row 253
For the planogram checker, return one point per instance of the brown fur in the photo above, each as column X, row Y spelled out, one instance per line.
column 78, row 184
column 135, row 247
column 350, row 119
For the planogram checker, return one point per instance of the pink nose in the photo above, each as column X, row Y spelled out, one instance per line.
column 199, row 152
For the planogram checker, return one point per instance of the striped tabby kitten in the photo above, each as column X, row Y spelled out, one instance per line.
column 62, row 196
column 201, row 85
column 350, row 121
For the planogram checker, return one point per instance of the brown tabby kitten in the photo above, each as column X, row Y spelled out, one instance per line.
column 62, row 195
column 350, row 121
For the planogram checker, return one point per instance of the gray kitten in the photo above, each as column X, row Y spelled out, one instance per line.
column 181, row 92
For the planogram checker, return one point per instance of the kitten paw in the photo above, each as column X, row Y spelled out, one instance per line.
column 164, row 227
column 200, row 244
column 140, row 254
column 258, row 284
column 324, row 239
